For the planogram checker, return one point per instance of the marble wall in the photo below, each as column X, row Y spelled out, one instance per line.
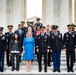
column 53, row 12
column 56, row 12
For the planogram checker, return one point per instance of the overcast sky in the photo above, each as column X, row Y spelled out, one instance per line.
column 34, row 8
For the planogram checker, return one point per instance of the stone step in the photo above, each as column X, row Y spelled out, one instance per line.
column 36, row 63
column 35, row 67
column 34, row 72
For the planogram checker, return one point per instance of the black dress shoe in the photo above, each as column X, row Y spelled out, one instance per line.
column 71, row 70
column 1, row 70
column 45, row 70
column 12, row 69
column 58, row 70
column 49, row 65
column 40, row 70
column 68, row 70
column 54, row 70
column 17, row 69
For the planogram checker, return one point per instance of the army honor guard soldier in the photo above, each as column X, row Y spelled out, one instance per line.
column 56, row 46
column 9, row 36
column 42, row 46
column 69, row 43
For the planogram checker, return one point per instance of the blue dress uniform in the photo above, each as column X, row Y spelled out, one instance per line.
column 42, row 44
column 9, row 37
column 56, row 46
column 2, row 49
column 69, row 43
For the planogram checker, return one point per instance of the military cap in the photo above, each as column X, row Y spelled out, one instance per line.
column 73, row 25
column 28, row 22
column 37, row 19
column 10, row 26
column 1, row 28
column 54, row 27
column 42, row 28
column 22, row 21
column 69, row 26
column 31, row 22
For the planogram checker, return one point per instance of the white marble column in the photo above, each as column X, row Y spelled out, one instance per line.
column 64, row 15
column 70, row 11
column 47, row 12
column 3, row 13
column 16, row 12
column 75, row 12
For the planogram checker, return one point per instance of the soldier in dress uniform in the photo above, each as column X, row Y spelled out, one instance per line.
column 42, row 46
column 9, row 36
column 21, row 35
column 23, row 27
column 2, row 49
column 73, row 29
column 56, row 46
column 38, row 22
column 69, row 44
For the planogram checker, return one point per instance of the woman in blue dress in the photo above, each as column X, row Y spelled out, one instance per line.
column 28, row 50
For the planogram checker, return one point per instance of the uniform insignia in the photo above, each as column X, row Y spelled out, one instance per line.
column 7, row 35
column 59, row 36
column 3, row 38
column 67, row 36
column 40, row 24
column 45, row 36
column 73, row 35
column 7, row 40
column 38, row 37
column 44, row 40
column 52, row 37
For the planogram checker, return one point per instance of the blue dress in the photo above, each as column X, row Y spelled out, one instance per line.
column 29, row 44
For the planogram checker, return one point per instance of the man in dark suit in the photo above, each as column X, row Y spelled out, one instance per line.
column 42, row 46
column 56, row 45
column 23, row 27
column 9, row 36
column 69, row 43
column 2, row 48
column 21, row 35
